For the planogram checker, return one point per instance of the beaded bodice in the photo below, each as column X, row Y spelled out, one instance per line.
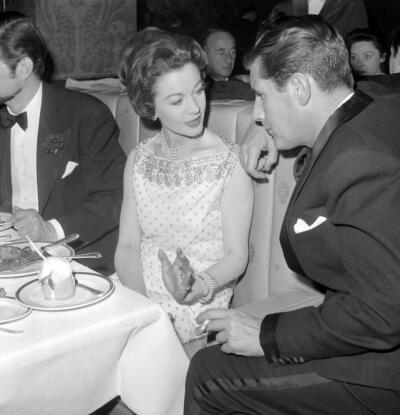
column 188, row 171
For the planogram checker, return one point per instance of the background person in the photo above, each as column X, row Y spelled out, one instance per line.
column 343, row 15
column 394, row 60
column 368, row 52
column 61, row 166
column 340, row 231
column 187, row 202
column 220, row 48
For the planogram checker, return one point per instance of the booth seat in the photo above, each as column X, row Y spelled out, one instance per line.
column 267, row 285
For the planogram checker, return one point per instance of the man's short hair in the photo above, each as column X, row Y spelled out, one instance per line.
column 212, row 30
column 305, row 44
column 20, row 38
column 152, row 54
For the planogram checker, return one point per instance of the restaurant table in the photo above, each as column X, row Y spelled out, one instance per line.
column 73, row 362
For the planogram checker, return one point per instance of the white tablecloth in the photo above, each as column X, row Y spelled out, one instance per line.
column 73, row 362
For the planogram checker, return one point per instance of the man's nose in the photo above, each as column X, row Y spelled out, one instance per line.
column 258, row 112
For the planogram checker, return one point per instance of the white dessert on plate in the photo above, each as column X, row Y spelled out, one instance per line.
column 56, row 279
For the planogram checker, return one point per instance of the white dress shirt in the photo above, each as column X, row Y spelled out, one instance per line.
column 315, row 6
column 23, row 160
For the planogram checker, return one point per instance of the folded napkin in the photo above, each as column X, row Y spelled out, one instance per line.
column 301, row 226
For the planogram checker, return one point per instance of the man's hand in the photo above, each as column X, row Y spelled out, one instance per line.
column 258, row 152
column 238, row 332
column 29, row 222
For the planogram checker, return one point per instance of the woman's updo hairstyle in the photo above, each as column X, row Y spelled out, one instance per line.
column 153, row 53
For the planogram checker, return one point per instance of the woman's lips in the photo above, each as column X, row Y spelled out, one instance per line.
column 194, row 123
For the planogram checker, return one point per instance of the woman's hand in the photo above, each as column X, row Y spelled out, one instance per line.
column 178, row 277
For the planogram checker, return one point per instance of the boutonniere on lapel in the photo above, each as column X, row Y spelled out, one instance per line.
column 54, row 144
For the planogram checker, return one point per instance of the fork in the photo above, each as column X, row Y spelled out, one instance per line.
column 34, row 259
column 11, row 331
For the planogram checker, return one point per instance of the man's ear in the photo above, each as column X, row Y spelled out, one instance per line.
column 24, row 68
column 301, row 88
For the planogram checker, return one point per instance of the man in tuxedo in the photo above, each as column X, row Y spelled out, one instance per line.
column 340, row 231
column 61, row 165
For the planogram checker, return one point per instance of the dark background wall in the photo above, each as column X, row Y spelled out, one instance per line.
column 196, row 15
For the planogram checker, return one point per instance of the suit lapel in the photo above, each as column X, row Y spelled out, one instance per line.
column 5, row 170
column 49, row 163
column 344, row 113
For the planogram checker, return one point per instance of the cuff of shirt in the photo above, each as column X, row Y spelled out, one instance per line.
column 268, row 337
column 58, row 228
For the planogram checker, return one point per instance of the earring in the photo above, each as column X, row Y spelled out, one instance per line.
column 154, row 117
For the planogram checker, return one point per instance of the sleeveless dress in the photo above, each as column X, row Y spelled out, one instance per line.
column 179, row 205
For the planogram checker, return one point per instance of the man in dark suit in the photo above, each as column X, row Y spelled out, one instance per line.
column 341, row 231
column 220, row 48
column 343, row 15
column 61, row 164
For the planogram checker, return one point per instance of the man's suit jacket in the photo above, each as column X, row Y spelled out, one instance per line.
column 87, row 199
column 351, row 178
column 380, row 84
column 344, row 15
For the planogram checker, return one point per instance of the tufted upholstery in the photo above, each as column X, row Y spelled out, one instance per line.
column 268, row 285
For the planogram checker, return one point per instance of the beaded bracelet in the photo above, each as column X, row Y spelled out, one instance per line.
column 211, row 284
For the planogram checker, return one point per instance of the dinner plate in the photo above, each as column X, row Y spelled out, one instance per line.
column 5, row 220
column 11, row 310
column 33, row 269
column 91, row 289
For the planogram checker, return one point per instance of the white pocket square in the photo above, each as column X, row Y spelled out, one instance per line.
column 70, row 167
column 301, row 226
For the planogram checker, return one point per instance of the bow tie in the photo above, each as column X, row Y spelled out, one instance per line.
column 8, row 120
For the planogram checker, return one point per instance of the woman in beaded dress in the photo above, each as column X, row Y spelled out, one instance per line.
column 187, row 202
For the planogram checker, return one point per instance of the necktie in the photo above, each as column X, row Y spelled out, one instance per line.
column 8, row 120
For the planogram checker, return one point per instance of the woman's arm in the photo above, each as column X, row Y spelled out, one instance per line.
column 236, row 210
column 127, row 256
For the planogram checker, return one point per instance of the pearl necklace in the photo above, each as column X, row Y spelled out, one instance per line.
column 176, row 152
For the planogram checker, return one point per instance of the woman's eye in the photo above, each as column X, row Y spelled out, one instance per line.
column 179, row 101
column 200, row 90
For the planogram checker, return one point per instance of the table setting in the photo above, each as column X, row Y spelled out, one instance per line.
column 65, row 327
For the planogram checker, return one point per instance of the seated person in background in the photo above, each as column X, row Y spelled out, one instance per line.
column 385, row 84
column 343, row 15
column 367, row 50
column 341, row 230
column 244, row 31
column 61, row 167
column 187, row 201
column 220, row 48
column 394, row 60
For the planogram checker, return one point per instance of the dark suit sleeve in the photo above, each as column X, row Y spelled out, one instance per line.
column 98, row 181
column 362, row 312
